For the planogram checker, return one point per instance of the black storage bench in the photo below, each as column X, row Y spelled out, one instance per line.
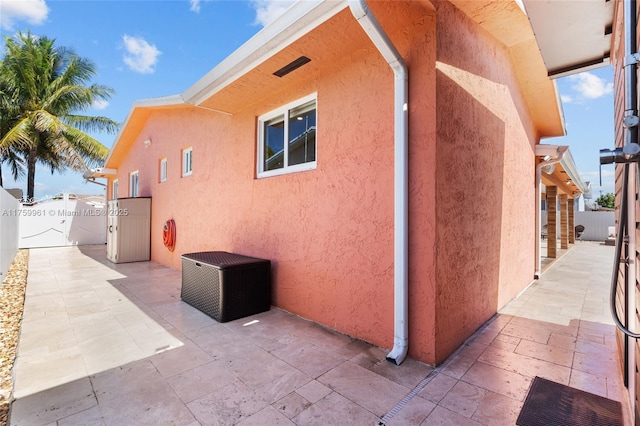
column 226, row 286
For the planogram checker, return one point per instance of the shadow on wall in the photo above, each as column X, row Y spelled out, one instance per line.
column 469, row 199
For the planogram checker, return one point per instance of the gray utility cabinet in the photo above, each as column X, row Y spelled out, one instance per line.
column 129, row 230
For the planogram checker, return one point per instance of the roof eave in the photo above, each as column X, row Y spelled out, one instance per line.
column 301, row 18
column 574, row 36
column 569, row 166
column 159, row 102
column 566, row 163
column 507, row 22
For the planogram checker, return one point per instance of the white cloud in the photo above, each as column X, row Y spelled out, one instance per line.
column 590, row 86
column 195, row 5
column 34, row 12
column 141, row 56
column 268, row 10
column 608, row 180
column 566, row 99
column 100, row 104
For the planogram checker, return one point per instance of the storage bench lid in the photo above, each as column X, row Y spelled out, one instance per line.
column 223, row 259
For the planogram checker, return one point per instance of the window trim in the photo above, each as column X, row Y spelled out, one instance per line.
column 184, row 161
column 137, row 186
column 284, row 111
column 114, row 189
column 162, row 170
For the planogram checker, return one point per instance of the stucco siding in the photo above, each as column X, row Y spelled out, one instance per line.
column 328, row 231
column 485, row 180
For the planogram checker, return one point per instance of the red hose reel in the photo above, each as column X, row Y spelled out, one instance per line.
column 169, row 234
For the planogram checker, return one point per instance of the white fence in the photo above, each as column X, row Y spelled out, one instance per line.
column 8, row 231
column 64, row 222
column 596, row 224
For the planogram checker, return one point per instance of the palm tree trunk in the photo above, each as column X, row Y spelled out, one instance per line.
column 31, row 172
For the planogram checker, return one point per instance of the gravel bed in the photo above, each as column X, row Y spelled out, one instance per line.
column 11, row 307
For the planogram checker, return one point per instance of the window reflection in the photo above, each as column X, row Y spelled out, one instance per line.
column 274, row 143
column 302, row 133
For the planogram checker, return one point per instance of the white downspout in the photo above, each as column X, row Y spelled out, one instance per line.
column 370, row 25
column 560, row 153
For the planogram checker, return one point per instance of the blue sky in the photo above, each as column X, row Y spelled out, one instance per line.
column 587, row 101
column 151, row 48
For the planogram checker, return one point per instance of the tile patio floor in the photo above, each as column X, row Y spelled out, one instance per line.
column 106, row 344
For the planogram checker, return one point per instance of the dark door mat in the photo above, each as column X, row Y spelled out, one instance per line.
column 553, row 404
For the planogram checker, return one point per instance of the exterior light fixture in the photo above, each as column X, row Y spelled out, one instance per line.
column 147, row 143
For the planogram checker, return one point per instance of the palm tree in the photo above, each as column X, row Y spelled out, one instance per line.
column 47, row 86
column 7, row 112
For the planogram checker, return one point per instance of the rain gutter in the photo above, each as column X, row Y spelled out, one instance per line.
column 372, row 28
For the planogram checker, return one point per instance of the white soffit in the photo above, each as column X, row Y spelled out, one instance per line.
column 573, row 35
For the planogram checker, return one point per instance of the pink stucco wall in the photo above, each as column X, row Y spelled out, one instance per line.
column 329, row 231
column 485, row 180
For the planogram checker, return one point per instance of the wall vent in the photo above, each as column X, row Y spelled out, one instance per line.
column 292, row 66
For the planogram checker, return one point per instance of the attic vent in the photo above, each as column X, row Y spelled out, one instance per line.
column 292, row 66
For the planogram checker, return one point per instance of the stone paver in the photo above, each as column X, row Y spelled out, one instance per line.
column 113, row 344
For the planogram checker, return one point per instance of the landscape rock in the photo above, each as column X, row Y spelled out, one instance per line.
column 11, row 308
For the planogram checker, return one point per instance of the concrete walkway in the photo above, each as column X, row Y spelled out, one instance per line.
column 106, row 344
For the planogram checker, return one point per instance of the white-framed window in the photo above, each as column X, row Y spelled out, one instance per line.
column 187, row 161
column 163, row 170
column 133, row 184
column 114, row 190
column 294, row 123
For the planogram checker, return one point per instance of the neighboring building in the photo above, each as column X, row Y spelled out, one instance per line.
column 299, row 167
column 575, row 37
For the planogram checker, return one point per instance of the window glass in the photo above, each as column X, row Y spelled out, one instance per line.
column 296, row 124
column 302, row 133
column 133, row 184
column 274, row 143
column 163, row 169
column 187, row 161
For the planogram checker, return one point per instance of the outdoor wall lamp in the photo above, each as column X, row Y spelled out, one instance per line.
column 147, row 143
